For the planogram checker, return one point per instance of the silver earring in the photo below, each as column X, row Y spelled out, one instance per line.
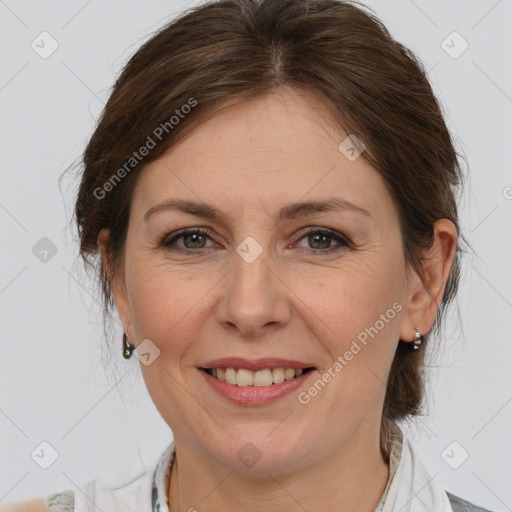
column 127, row 347
column 418, row 339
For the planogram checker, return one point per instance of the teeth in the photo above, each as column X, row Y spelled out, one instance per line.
column 266, row 377
column 244, row 377
column 289, row 373
column 277, row 375
column 231, row 376
column 262, row 378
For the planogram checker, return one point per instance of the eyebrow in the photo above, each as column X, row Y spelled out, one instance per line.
column 289, row 211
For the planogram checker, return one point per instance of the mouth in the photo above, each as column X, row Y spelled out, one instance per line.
column 263, row 377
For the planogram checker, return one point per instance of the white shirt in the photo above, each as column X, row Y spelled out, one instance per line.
column 410, row 488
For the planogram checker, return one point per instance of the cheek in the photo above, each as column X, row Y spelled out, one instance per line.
column 354, row 297
column 355, row 312
column 339, row 303
column 164, row 305
column 359, row 327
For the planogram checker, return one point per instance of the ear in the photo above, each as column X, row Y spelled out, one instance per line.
column 117, row 284
column 422, row 305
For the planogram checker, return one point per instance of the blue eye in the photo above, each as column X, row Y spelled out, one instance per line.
column 194, row 240
column 323, row 237
column 194, row 237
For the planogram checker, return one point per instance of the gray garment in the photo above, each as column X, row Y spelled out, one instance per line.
column 460, row 505
column 150, row 492
column 63, row 502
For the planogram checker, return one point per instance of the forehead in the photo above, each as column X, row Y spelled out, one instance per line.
column 286, row 124
column 277, row 149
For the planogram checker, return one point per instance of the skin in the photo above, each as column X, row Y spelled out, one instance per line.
column 293, row 301
column 34, row 505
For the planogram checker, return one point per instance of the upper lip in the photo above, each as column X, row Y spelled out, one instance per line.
column 256, row 364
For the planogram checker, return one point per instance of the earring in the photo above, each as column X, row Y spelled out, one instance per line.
column 127, row 347
column 418, row 339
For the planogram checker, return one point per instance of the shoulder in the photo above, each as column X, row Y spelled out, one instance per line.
column 33, row 505
column 460, row 505
column 140, row 489
column 57, row 502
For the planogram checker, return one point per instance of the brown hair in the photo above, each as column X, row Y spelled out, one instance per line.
column 229, row 51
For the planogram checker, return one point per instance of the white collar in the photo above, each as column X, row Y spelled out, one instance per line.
column 410, row 488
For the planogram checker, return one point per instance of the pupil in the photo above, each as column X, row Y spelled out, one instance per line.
column 317, row 238
column 325, row 237
column 195, row 236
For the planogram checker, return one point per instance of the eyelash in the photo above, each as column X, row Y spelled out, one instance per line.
column 344, row 242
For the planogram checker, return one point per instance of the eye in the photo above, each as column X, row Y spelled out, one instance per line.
column 322, row 238
column 193, row 239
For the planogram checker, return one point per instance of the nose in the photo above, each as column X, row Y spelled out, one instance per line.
column 254, row 300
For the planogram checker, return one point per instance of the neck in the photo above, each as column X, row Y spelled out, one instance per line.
column 351, row 479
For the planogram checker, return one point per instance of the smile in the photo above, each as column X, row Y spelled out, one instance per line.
column 260, row 387
column 259, row 378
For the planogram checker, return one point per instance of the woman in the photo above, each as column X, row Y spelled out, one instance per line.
column 270, row 195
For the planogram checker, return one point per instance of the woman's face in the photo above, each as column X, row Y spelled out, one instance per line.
column 274, row 277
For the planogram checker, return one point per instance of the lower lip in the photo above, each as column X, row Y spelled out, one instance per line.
column 255, row 395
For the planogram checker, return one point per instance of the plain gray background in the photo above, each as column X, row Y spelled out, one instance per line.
column 100, row 420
